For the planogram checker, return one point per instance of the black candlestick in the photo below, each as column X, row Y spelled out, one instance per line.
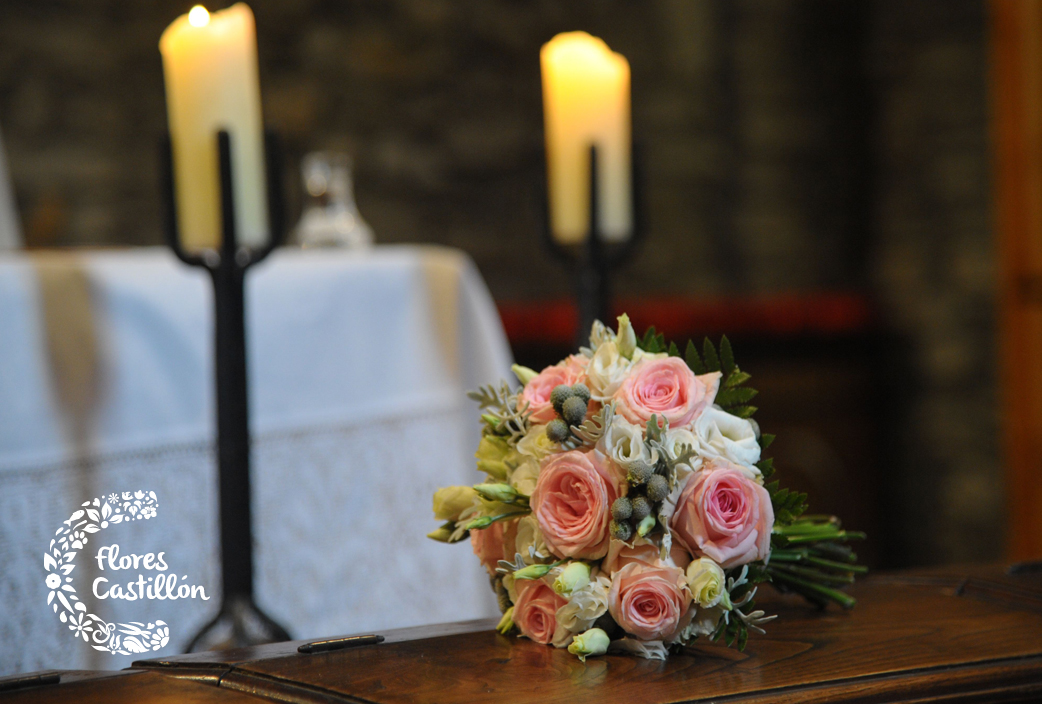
column 594, row 259
column 239, row 622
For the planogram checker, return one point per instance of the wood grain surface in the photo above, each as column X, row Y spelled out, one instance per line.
column 125, row 687
column 970, row 634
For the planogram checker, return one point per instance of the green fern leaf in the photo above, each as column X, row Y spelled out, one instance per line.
column 710, row 356
column 693, row 360
column 727, row 365
column 737, row 378
column 735, row 397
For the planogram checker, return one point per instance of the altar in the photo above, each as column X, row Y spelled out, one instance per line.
column 359, row 366
column 969, row 634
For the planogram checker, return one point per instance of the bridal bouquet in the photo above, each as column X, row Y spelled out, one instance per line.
column 628, row 506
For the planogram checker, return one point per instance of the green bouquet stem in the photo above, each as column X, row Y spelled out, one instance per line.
column 818, row 537
column 803, row 556
column 815, row 575
column 833, row 551
column 811, row 589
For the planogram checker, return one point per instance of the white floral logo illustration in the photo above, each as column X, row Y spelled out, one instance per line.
column 93, row 516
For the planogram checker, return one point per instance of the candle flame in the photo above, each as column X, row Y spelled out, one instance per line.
column 198, row 16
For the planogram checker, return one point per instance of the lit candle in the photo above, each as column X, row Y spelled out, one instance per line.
column 586, row 102
column 212, row 83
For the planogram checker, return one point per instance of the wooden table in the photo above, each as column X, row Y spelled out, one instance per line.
column 947, row 635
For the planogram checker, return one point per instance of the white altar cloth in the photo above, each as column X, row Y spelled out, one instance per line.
column 358, row 363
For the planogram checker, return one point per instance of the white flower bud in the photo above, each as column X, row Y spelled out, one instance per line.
column 626, row 338
column 592, row 642
column 575, row 576
column 707, row 583
column 497, row 492
column 523, row 374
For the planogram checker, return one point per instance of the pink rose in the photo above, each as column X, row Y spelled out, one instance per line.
column 665, row 387
column 572, row 502
column 651, row 603
column 494, row 543
column 724, row 515
column 535, row 611
column 578, row 364
column 620, row 554
column 537, row 391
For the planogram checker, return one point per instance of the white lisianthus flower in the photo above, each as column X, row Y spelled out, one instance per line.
column 530, row 539
column 535, row 444
column 524, row 478
column 650, row 649
column 599, row 334
column 707, row 583
column 607, row 370
column 673, row 443
column 704, row 622
column 721, row 434
column 585, row 605
column 624, row 444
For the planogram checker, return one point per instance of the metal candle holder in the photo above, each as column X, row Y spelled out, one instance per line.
column 239, row 614
column 594, row 259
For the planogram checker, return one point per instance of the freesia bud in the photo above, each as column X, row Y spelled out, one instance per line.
column 442, row 535
column 523, row 374
column 480, row 523
column 592, row 642
column 492, row 447
column 575, row 576
column 497, row 492
column 491, row 452
column 626, row 338
column 450, row 501
column 533, row 572
column 493, row 468
column 506, row 624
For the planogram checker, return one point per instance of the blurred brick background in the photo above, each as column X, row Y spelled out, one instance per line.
column 790, row 147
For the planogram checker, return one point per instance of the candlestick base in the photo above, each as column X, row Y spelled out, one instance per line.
column 239, row 624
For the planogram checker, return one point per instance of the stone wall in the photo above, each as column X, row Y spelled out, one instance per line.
column 796, row 146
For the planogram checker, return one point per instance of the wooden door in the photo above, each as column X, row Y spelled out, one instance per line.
column 1016, row 93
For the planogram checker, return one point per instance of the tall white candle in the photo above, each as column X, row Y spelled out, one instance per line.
column 586, row 101
column 212, row 83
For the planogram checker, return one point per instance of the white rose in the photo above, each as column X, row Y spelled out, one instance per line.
column 530, row 538
column 526, row 475
column 707, row 583
column 721, row 434
column 624, row 444
column 535, row 444
column 585, row 605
